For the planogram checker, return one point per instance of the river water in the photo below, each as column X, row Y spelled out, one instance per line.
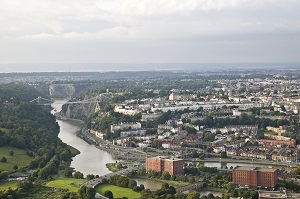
column 90, row 160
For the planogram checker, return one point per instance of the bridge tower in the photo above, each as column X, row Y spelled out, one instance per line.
column 97, row 107
column 94, row 103
column 39, row 100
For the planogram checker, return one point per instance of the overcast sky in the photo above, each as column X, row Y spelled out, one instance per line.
column 149, row 31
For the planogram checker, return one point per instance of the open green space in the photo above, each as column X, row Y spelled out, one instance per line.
column 10, row 184
column 19, row 158
column 118, row 192
column 72, row 184
column 173, row 183
column 112, row 167
column 170, row 182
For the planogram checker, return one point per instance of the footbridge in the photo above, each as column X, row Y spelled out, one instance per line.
column 92, row 101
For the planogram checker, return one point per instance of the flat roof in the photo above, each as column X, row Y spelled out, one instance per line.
column 166, row 158
column 248, row 168
column 158, row 157
column 266, row 169
column 173, row 159
column 278, row 194
column 252, row 168
column 272, row 194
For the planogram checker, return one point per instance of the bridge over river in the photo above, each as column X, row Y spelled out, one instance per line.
column 94, row 182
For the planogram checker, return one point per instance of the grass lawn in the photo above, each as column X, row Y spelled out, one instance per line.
column 6, row 185
column 170, row 182
column 71, row 184
column 112, row 167
column 19, row 158
column 118, row 192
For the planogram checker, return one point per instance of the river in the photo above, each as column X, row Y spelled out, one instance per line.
column 90, row 160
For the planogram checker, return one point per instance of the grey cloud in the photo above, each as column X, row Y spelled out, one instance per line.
column 135, row 31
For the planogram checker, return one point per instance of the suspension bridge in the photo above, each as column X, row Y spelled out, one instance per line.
column 94, row 101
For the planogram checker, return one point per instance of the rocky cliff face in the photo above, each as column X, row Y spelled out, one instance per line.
column 61, row 90
column 78, row 111
column 84, row 108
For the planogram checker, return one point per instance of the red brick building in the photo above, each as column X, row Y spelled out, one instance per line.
column 254, row 177
column 160, row 164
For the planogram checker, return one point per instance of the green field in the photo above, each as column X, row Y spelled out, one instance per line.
column 71, row 184
column 12, row 184
column 19, row 158
column 118, row 192
column 170, row 182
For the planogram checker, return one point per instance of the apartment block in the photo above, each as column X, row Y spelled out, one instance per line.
column 160, row 164
column 254, row 177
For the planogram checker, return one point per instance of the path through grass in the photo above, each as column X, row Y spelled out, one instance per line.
column 71, row 184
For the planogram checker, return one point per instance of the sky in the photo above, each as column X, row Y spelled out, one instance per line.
column 149, row 31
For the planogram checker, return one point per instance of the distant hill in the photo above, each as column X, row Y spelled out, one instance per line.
column 19, row 91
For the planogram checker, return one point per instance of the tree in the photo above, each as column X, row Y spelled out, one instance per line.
column 190, row 130
column 90, row 193
column 193, row 195
column 108, row 194
column 15, row 167
column 11, row 153
column 165, row 175
column 3, row 159
column 224, row 154
column 90, row 176
column 194, row 154
column 235, row 193
column 86, row 192
column 3, row 175
column 192, row 179
column 104, row 181
column 165, row 186
column 68, row 173
column 78, row 175
column 132, row 183
column 142, row 187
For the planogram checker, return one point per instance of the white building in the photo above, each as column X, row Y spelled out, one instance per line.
column 122, row 126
